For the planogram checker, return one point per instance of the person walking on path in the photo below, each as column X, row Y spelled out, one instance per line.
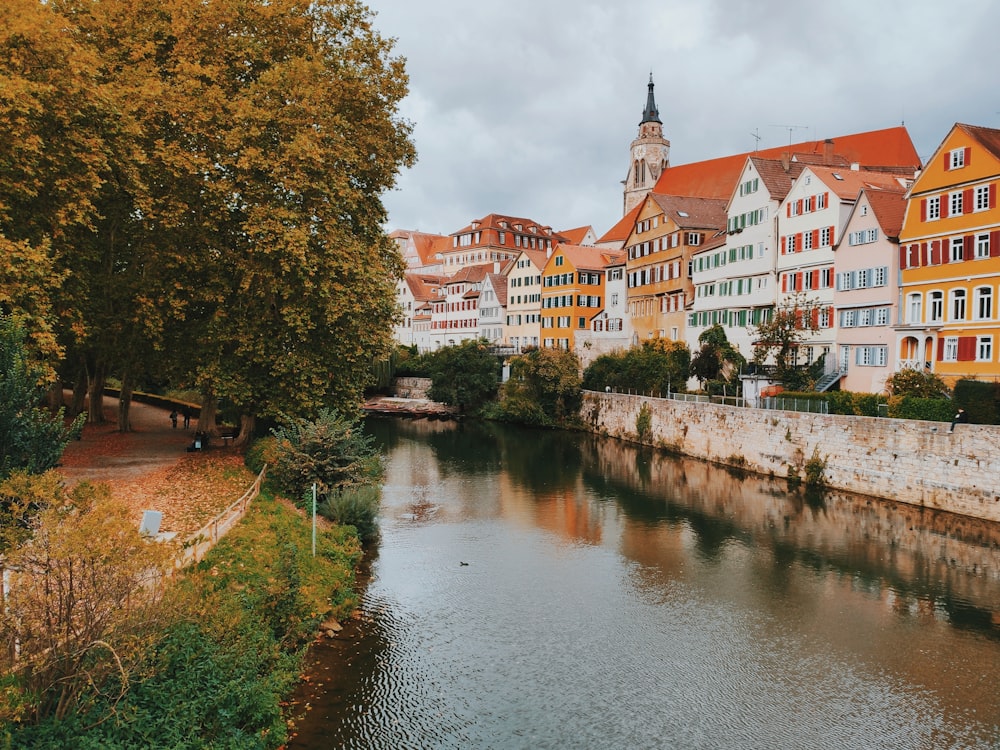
column 173, row 419
column 960, row 418
column 187, row 417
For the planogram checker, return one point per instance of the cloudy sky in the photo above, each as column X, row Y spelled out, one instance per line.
column 527, row 107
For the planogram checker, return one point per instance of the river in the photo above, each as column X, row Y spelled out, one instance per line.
column 553, row 590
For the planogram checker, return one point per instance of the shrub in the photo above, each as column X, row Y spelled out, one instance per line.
column 331, row 451
column 918, row 383
column 979, row 400
column 931, row 409
column 644, row 423
column 543, row 389
column 354, row 506
column 815, row 470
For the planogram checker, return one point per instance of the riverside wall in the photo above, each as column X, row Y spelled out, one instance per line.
column 907, row 461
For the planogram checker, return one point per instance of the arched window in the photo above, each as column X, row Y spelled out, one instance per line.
column 635, row 174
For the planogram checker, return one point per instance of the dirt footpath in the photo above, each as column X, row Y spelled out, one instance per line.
column 150, row 468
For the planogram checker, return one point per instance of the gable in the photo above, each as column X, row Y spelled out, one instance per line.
column 967, row 154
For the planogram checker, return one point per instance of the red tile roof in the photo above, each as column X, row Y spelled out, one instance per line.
column 716, row 178
column 423, row 286
column 495, row 221
column 693, row 213
column 889, row 207
column 499, row 284
column 847, row 183
column 620, row 231
column 776, row 174
column 988, row 137
column 590, row 258
column 577, row 235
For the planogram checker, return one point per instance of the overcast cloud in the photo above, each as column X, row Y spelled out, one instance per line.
column 527, row 107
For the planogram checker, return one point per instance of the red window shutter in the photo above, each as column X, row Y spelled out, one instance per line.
column 923, row 209
column 942, row 252
column 826, row 200
column 993, row 195
column 902, row 256
column 788, row 209
column 815, row 317
column 815, row 238
column 945, row 205
column 968, row 156
column 798, row 203
column 967, row 205
column 798, row 241
column 782, row 245
column 815, row 280
column 966, row 348
column 967, row 250
column 947, row 161
column 994, row 244
column 784, row 282
column 940, row 352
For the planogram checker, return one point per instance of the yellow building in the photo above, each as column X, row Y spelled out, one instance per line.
column 668, row 230
column 949, row 260
column 573, row 291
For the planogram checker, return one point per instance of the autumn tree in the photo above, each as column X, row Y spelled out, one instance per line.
column 917, row 383
column 778, row 338
column 79, row 609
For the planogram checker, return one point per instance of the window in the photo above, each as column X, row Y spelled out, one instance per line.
column 559, row 260
column 934, row 208
column 955, row 204
column 984, row 349
column 881, row 316
column 845, row 358
column 958, row 304
column 957, row 249
column 984, row 303
column 956, row 158
column 870, row 356
column 791, row 243
column 848, row 318
column 982, row 200
column 694, row 238
column 983, row 245
column 936, row 307
column 914, row 305
column 581, row 323
column 807, row 241
column 950, row 353
column 879, row 275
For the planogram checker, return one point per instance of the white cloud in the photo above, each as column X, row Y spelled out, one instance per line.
column 528, row 106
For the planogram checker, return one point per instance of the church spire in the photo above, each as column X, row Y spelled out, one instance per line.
column 651, row 113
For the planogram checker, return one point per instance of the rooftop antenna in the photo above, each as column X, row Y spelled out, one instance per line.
column 790, row 129
column 756, row 138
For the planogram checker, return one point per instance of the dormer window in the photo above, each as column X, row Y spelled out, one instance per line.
column 956, row 158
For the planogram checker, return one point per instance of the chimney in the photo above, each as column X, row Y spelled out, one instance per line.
column 786, row 161
column 828, row 151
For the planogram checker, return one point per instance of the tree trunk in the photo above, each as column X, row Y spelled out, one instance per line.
column 125, row 402
column 206, row 417
column 55, row 398
column 79, row 390
column 247, row 425
column 95, row 409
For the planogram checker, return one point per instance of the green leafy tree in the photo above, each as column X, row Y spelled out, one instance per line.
column 331, row 451
column 656, row 366
column 778, row 340
column 917, row 383
column 466, row 375
column 31, row 438
column 717, row 359
column 544, row 388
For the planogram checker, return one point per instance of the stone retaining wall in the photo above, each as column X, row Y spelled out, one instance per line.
column 411, row 387
column 909, row 461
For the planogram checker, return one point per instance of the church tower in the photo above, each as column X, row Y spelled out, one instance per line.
column 650, row 154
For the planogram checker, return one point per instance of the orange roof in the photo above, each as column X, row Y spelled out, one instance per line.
column 471, row 274
column 776, row 176
column 620, row 231
column 577, row 235
column 423, row 286
column 716, row 178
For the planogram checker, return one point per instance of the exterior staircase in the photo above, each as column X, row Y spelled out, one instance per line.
column 826, row 382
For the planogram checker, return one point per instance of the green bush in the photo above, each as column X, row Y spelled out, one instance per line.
column 354, row 506
column 930, row 409
column 980, row 400
column 331, row 451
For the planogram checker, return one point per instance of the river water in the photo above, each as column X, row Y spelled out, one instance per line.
column 551, row 590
